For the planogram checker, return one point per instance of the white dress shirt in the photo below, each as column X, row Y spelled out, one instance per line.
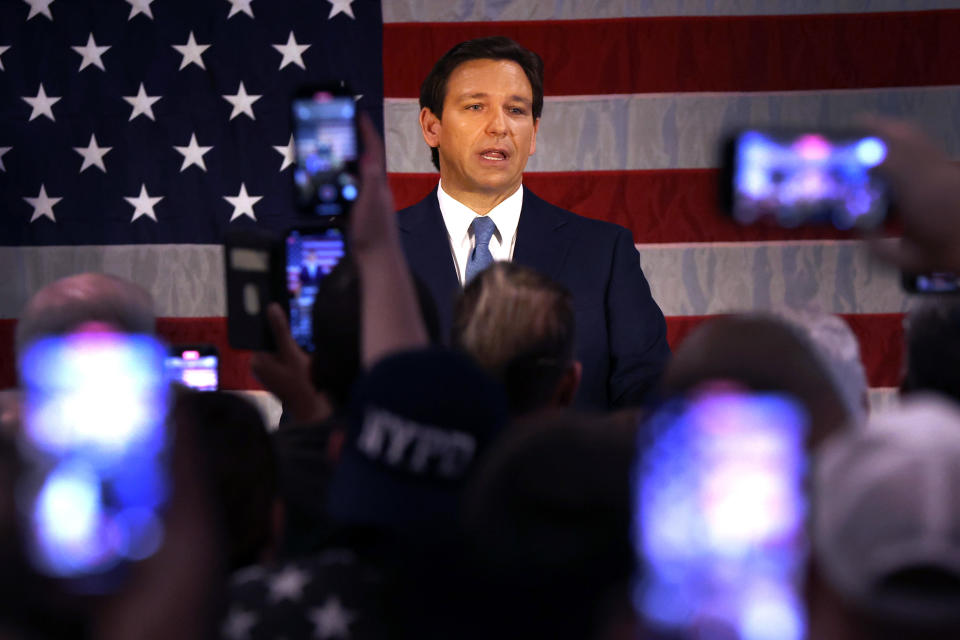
column 458, row 217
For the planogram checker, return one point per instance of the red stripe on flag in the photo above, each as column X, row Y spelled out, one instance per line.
column 671, row 205
column 740, row 53
column 880, row 336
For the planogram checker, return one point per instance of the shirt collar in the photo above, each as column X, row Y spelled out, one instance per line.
column 458, row 217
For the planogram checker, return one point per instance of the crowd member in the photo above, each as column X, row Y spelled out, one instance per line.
column 87, row 298
column 239, row 459
column 886, row 550
column 315, row 391
column 93, row 299
column 480, row 110
column 519, row 326
column 419, row 419
column 839, row 351
column 548, row 517
column 932, row 348
column 762, row 353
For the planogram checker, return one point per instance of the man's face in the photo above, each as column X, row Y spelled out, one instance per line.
column 487, row 131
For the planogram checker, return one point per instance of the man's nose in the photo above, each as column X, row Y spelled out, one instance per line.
column 498, row 124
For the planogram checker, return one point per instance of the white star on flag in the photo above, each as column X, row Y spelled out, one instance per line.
column 191, row 52
column 331, row 620
column 243, row 203
column 42, row 105
column 193, row 154
column 238, row 6
column 292, row 52
column 341, row 6
column 143, row 204
column 91, row 54
column 288, row 151
column 288, row 585
column 43, row 205
column 3, row 150
column 39, row 6
column 3, row 50
column 142, row 104
column 242, row 103
column 92, row 155
column 238, row 624
column 138, row 7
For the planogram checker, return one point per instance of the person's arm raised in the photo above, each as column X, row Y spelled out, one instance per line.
column 390, row 315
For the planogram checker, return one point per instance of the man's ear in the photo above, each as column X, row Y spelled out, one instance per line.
column 533, row 141
column 430, row 126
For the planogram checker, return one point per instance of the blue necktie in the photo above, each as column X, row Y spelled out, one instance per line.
column 480, row 258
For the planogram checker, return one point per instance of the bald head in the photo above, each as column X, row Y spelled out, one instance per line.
column 66, row 304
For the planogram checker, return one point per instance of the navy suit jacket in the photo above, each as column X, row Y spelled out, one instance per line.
column 621, row 336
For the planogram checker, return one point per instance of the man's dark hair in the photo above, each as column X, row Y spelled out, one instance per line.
column 933, row 348
column 240, row 462
column 433, row 91
column 519, row 326
column 335, row 364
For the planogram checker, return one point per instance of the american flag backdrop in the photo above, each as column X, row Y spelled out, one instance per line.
column 638, row 92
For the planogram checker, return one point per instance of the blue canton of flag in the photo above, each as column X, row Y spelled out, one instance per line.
column 165, row 121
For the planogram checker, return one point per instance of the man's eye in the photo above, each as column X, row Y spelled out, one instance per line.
column 518, row 111
column 473, row 107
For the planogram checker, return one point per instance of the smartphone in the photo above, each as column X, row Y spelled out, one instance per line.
column 196, row 366
column 95, row 448
column 718, row 517
column 931, row 282
column 795, row 178
column 310, row 254
column 327, row 149
column 253, row 262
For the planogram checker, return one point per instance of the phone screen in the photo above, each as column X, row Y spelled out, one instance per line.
column 325, row 139
column 310, row 257
column 719, row 510
column 932, row 282
column 795, row 179
column 196, row 367
column 94, row 444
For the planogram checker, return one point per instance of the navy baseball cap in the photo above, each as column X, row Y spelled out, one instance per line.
column 417, row 424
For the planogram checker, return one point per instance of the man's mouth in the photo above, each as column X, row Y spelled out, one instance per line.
column 494, row 154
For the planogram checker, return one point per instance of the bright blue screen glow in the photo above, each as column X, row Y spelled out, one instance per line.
column 808, row 177
column 95, row 444
column 719, row 513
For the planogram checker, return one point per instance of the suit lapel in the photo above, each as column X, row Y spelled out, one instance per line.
column 425, row 243
column 541, row 242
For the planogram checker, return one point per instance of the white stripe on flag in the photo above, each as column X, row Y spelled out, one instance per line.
column 680, row 131
column 687, row 279
column 490, row 10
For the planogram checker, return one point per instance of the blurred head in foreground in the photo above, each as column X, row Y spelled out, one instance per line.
column 519, row 326
column 763, row 353
column 239, row 460
column 886, row 527
column 86, row 298
column 548, row 515
column 933, row 348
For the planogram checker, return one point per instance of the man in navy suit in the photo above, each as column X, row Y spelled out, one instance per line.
column 480, row 111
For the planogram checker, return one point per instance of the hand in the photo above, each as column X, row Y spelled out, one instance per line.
column 926, row 186
column 286, row 372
